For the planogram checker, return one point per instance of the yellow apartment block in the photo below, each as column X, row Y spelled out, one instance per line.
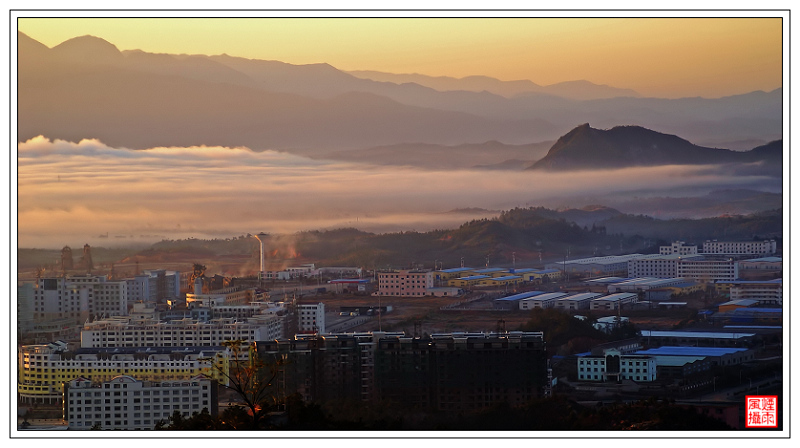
column 43, row 369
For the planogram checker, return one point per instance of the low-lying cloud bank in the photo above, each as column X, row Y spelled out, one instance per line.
column 70, row 193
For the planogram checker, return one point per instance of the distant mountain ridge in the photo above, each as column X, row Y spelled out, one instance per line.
column 575, row 90
column 625, row 146
column 86, row 88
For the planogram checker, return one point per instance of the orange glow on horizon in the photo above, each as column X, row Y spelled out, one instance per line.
column 661, row 57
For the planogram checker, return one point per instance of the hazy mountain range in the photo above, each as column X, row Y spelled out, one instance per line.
column 86, row 88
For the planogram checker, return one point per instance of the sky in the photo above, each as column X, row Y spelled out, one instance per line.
column 658, row 57
column 209, row 192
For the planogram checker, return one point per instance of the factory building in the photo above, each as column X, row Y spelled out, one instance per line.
column 708, row 271
column 512, row 302
column 547, row 300
column 467, row 282
column 595, row 266
column 762, row 248
column 614, row 301
column 580, row 301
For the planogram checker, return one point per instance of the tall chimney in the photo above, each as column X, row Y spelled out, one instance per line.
column 261, row 237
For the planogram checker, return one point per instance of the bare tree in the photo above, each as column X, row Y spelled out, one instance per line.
column 251, row 379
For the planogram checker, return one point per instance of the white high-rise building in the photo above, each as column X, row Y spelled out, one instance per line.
column 311, row 318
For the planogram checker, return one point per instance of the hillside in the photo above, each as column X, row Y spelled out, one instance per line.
column 626, row 146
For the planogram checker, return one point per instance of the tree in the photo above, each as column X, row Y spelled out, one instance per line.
column 251, row 379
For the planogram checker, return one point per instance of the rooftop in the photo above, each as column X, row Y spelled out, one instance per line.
column 520, row 296
column 582, row 296
column 766, row 259
column 695, row 334
column 690, row 351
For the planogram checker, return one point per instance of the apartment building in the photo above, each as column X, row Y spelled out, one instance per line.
column 310, row 318
column 154, row 286
column 125, row 403
column 178, row 333
column 405, row 283
column 77, row 297
column 454, row 371
column 42, row 369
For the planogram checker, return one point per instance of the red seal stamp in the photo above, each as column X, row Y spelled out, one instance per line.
column 762, row 411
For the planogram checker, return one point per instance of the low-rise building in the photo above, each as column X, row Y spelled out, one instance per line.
column 614, row 301
column 615, row 366
column 125, row 403
column 766, row 292
column 547, row 300
column 468, row 281
column 765, row 268
column 580, row 301
column 766, row 247
column 678, row 247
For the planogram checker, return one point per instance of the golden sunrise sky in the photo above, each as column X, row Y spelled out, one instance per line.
column 659, row 57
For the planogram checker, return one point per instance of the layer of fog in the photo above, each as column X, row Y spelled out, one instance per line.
column 71, row 193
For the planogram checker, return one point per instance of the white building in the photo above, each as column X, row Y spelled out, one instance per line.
column 576, row 301
column 310, row 318
column 77, row 297
column 405, row 283
column 153, row 286
column 595, row 266
column 179, row 333
column 657, row 265
column 644, row 284
column 741, row 247
column 707, row 271
column 125, row 403
column 614, row 301
column 547, row 300
column 678, row 247
column 768, row 292
column 614, row 366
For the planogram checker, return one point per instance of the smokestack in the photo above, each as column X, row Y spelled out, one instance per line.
column 261, row 237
